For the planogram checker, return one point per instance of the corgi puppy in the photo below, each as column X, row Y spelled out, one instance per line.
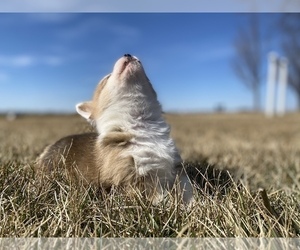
column 132, row 146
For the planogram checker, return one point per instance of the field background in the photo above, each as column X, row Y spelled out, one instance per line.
column 261, row 155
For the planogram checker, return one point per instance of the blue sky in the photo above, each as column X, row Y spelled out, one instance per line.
column 50, row 62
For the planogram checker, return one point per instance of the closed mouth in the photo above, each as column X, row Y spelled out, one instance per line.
column 129, row 63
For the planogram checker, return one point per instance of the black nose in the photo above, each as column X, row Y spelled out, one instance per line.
column 127, row 55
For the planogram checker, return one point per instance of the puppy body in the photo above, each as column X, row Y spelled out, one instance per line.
column 85, row 157
column 133, row 144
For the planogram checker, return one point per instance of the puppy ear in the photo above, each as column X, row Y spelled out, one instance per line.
column 85, row 110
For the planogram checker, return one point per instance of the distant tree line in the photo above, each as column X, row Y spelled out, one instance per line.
column 290, row 29
column 249, row 57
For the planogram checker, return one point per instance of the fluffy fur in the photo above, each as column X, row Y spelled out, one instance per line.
column 133, row 145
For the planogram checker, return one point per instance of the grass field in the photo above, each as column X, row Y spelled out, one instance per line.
column 261, row 155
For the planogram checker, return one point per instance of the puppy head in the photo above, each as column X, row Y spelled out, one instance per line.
column 126, row 86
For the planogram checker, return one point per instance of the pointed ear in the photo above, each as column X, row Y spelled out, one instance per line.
column 85, row 110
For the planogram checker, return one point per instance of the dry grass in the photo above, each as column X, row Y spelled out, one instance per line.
column 264, row 155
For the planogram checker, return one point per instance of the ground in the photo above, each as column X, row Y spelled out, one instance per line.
column 259, row 156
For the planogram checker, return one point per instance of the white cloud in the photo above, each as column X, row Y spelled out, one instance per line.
column 17, row 61
column 52, row 60
column 21, row 61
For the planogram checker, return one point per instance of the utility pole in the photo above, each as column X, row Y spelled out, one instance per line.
column 281, row 94
column 271, row 82
column 277, row 75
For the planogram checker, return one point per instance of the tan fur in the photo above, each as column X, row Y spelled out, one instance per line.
column 98, row 164
column 92, row 105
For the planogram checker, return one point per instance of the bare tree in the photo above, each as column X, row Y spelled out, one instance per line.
column 247, row 62
column 290, row 27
